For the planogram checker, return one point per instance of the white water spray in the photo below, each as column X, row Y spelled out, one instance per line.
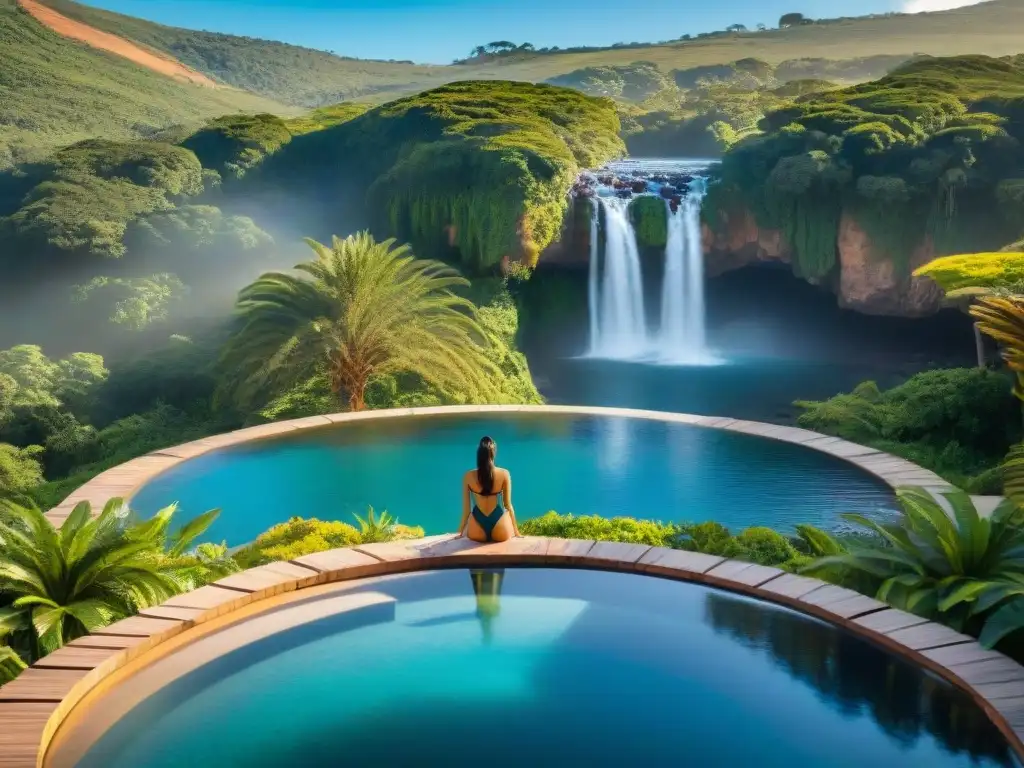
column 683, row 336
column 619, row 330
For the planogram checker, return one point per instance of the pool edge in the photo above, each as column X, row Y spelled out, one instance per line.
column 33, row 707
column 124, row 480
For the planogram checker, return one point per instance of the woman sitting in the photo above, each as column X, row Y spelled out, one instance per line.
column 491, row 486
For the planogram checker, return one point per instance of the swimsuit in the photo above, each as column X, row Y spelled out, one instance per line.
column 488, row 522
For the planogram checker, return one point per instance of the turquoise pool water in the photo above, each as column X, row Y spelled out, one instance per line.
column 563, row 667
column 412, row 467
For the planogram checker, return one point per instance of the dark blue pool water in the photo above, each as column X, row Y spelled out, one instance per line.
column 412, row 467
column 560, row 668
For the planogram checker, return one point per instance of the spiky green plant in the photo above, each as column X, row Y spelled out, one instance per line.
column 11, row 664
column 59, row 584
column 960, row 568
column 361, row 309
column 373, row 529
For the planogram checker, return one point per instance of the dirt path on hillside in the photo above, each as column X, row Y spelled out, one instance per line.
column 104, row 41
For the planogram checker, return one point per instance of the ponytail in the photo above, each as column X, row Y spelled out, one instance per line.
column 485, row 464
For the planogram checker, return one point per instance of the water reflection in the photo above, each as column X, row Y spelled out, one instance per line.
column 487, row 588
column 856, row 678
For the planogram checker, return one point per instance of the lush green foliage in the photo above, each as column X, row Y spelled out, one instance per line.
column 326, row 117
column 757, row 545
column 298, row 537
column 632, row 82
column 288, row 74
column 921, row 153
column 58, row 584
column 650, row 221
column 57, row 91
column 234, row 144
column 1002, row 269
column 474, row 171
column 11, row 664
column 957, row 422
column 366, row 309
column 962, row 569
column 20, row 470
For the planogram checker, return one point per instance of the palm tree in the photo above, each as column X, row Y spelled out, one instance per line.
column 960, row 568
column 361, row 309
column 59, row 584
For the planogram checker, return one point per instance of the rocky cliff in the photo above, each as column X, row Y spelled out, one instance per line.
column 867, row 282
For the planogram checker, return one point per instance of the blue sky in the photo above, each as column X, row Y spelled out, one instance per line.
column 438, row 31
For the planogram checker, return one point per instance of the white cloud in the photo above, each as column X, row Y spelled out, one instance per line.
column 920, row 6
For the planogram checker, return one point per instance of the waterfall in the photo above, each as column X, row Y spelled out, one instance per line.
column 682, row 338
column 592, row 294
column 619, row 329
column 618, row 325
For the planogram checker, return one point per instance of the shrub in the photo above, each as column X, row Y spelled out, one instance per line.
column 300, row 536
column 624, row 529
column 765, row 546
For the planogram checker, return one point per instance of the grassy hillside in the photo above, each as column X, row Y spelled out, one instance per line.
column 286, row 73
column 304, row 77
column 55, row 91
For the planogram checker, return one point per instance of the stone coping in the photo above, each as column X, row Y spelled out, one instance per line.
column 34, row 705
column 126, row 479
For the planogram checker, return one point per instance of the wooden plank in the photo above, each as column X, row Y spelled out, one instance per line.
column 76, row 657
column 568, row 550
column 208, row 597
column 106, row 641
column 667, row 562
column 140, row 626
column 341, row 559
column 925, row 636
column 951, row 656
column 890, row 620
column 859, row 605
column 36, row 684
column 791, row 585
column 617, row 552
column 753, row 575
column 22, row 733
column 989, row 671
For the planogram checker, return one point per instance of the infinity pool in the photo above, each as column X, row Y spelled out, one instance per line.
column 412, row 467
column 535, row 667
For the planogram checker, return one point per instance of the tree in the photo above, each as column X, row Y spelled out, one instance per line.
column 361, row 309
column 966, row 570
column 64, row 583
column 20, row 470
column 791, row 20
column 761, row 27
column 736, row 28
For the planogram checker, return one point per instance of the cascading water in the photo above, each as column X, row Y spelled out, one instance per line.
column 683, row 337
column 619, row 329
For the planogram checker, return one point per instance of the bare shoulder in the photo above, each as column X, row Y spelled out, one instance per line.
column 469, row 475
column 503, row 473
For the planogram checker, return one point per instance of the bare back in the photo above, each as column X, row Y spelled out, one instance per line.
column 487, row 503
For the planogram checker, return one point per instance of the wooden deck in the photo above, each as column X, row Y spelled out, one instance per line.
column 124, row 480
column 34, row 705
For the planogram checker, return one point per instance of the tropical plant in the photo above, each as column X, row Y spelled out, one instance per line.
column 373, row 529
column 960, row 568
column 63, row 583
column 366, row 309
column 1013, row 475
column 1001, row 317
column 11, row 664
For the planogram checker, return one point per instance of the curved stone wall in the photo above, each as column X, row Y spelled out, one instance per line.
column 33, row 707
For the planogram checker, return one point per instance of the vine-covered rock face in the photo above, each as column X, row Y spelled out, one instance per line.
column 864, row 184
column 476, row 171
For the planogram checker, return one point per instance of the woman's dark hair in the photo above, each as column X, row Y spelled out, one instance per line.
column 485, row 464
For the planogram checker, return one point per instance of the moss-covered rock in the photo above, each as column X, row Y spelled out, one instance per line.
column 928, row 155
column 473, row 171
column 650, row 221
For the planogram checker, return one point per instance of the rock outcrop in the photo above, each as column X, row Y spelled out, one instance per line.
column 867, row 282
column 871, row 284
column 741, row 244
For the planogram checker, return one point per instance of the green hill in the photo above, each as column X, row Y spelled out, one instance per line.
column 930, row 154
column 55, row 91
column 300, row 76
